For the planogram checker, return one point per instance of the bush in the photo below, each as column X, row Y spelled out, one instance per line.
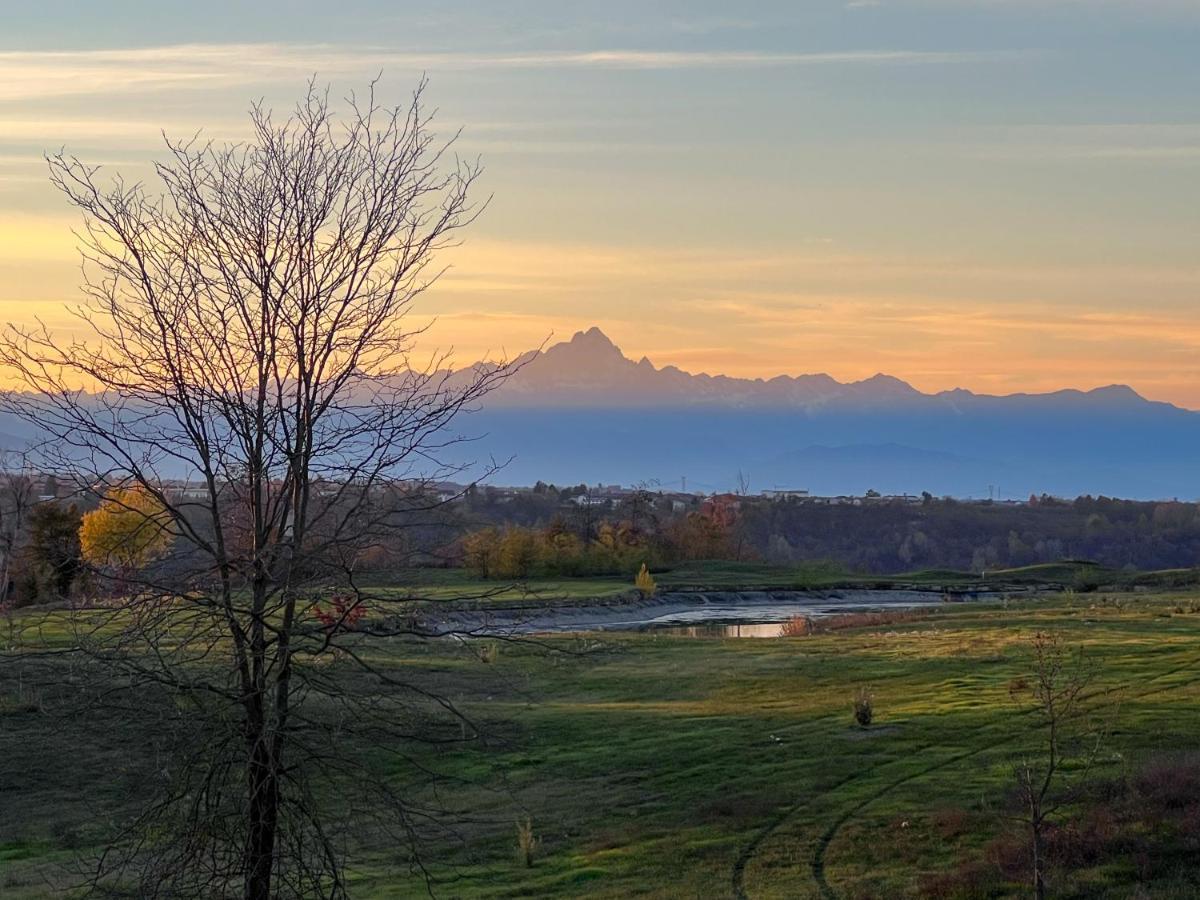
column 1168, row 782
column 527, row 843
column 864, row 707
column 797, row 626
column 489, row 652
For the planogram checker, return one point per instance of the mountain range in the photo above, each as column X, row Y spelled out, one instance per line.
column 590, row 370
column 581, row 411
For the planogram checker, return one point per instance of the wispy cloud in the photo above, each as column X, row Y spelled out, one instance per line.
column 1152, row 142
column 670, row 59
column 48, row 129
column 45, row 74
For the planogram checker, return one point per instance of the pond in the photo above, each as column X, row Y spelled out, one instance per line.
column 756, row 614
column 782, row 620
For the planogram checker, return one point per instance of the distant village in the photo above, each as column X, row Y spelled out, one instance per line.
column 45, row 487
column 613, row 495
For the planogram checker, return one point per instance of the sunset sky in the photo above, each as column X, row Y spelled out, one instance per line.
column 1002, row 195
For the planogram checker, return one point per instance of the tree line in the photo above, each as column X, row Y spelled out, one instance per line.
column 532, row 533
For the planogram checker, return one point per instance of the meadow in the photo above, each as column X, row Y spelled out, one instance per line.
column 664, row 766
column 465, row 587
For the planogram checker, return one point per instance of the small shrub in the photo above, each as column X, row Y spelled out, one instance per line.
column 644, row 582
column 1009, row 853
column 1169, row 782
column 489, row 652
column 342, row 614
column 950, row 821
column 1018, row 686
column 797, row 626
column 864, row 707
column 1077, row 844
column 527, row 843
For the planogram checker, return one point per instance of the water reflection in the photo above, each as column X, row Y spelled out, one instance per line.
column 788, row 620
column 725, row 630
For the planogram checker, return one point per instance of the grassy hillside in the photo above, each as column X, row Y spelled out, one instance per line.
column 674, row 767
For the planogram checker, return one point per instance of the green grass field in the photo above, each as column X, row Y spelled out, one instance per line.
column 663, row 766
column 439, row 585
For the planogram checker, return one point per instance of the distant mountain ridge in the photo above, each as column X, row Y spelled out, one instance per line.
column 590, row 370
column 580, row 410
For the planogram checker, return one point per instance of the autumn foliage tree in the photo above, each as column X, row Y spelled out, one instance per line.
column 644, row 582
column 130, row 529
column 704, row 534
column 481, row 552
column 517, row 552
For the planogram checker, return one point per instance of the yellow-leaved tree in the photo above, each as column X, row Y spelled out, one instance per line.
column 128, row 531
column 644, row 582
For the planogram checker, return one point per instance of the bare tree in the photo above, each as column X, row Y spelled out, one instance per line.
column 249, row 366
column 743, row 484
column 16, row 499
column 1070, row 736
column 640, row 508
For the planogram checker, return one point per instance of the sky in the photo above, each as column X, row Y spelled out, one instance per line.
column 1002, row 195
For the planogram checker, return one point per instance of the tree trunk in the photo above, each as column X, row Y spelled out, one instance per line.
column 263, row 821
column 1039, row 881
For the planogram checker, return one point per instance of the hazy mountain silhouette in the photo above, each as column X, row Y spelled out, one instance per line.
column 590, row 370
column 582, row 411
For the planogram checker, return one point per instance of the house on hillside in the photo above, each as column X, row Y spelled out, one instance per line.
column 778, row 494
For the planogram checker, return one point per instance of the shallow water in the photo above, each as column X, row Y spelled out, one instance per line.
column 701, row 613
column 756, row 621
column 720, row 630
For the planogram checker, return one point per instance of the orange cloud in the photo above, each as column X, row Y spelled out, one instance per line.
column 937, row 323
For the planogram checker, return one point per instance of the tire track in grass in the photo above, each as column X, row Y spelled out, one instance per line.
column 817, row 865
column 739, row 865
